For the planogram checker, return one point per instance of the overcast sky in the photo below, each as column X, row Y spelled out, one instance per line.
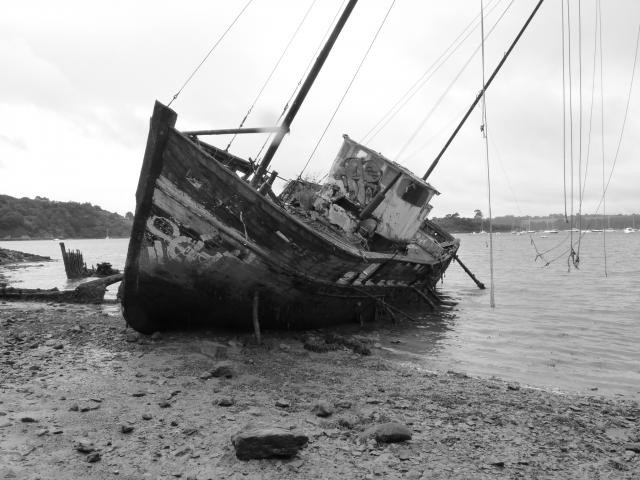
column 79, row 80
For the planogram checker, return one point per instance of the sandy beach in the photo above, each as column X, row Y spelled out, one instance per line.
column 84, row 397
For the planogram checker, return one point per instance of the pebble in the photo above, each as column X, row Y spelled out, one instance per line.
column 27, row 419
column 124, row 428
column 223, row 369
column 322, row 408
column 84, row 445
column 283, row 403
column 93, row 457
column 634, row 447
column 132, row 337
column 226, row 402
column 86, row 407
column 147, row 416
column 389, row 432
column 164, row 404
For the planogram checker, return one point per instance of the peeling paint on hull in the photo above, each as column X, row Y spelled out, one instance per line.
column 204, row 241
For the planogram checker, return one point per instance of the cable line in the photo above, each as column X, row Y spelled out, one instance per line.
column 624, row 122
column 564, row 119
column 485, row 133
column 304, row 75
column 589, row 135
column 209, row 52
column 275, row 67
column 348, row 87
column 572, row 256
column 423, row 79
column 449, row 87
column 580, row 116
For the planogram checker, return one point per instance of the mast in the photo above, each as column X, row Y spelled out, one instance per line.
column 481, row 94
column 306, row 86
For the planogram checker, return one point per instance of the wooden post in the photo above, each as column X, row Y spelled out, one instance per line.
column 256, row 323
column 65, row 259
column 74, row 265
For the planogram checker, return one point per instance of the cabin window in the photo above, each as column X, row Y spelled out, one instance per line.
column 412, row 192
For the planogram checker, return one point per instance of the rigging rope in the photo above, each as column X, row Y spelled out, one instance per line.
column 564, row 119
column 572, row 256
column 588, row 153
column 448, row 89
column 210, row 52
column 348, row 87
column 604, row 207
column 577, row 259
column 624, row 121
column 424, row 78
column 275, row 67
column 485, row 133
column 304, row 75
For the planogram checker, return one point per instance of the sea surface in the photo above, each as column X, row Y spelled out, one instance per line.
column 570, row 330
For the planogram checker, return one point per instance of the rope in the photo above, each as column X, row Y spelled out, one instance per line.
column 564, row 119
column 209, row 52
column 485, row 133
column 266, row 82
column 580, row 117
column 295, row 90
column 572, row 256
column 604, row 207
column 588, row 153
column 624, row 122
column 353, row 78
column 448, row 89
column 423, row 79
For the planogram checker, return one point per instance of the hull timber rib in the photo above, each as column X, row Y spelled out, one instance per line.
column 204, row 242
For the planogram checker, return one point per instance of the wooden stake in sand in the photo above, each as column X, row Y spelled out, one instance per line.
column 256, row 323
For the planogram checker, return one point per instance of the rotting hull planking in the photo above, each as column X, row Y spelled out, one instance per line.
column 204, row 241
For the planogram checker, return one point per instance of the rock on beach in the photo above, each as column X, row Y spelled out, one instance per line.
column 268, row 442
column 390, row 432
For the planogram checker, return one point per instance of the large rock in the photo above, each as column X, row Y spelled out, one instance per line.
column 223, row 369
column 390, row 432
column 268, row 442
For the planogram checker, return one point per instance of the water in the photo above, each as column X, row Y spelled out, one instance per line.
column 571, row 331
column 51, row 274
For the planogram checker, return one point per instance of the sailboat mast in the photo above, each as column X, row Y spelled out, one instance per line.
column 481, row 94
column 306, row 86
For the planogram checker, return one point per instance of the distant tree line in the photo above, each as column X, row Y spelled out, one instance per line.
column 41, row 218
column 454, row 223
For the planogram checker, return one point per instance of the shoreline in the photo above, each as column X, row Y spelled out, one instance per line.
column 58, row 356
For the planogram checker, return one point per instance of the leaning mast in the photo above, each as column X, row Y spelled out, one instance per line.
column 297, row 103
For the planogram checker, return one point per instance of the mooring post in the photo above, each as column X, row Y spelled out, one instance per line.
column 256, row 323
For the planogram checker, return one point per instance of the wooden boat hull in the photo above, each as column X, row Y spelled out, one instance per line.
column 204, row 242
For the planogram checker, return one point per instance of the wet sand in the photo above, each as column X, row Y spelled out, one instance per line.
column 74, row 375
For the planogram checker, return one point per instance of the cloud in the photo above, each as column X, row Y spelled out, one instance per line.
column 13, row 142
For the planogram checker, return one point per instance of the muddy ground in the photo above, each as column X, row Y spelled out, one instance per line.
column 72, row 377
